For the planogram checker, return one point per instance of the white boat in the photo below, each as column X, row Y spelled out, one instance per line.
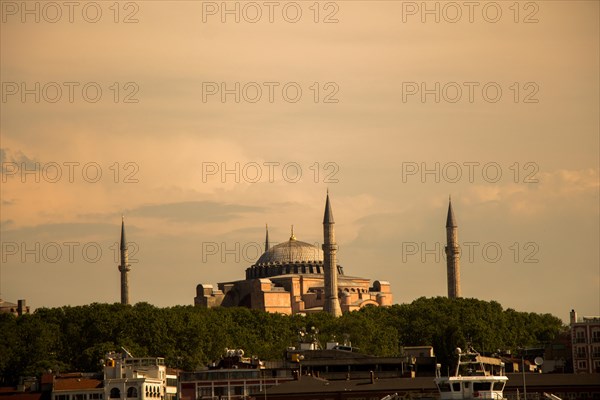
column 476, row 377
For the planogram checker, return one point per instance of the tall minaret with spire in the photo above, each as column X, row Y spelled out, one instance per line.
column 332, row 303
column 124, row 267
column 452, row 254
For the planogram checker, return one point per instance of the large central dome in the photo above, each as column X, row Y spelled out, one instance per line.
column 291, row 251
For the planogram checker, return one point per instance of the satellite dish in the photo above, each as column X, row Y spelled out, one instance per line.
column 538, row 361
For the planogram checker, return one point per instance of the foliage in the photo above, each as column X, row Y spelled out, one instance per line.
column 76, row 338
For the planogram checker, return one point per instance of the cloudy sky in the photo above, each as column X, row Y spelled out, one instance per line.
column 202, row 121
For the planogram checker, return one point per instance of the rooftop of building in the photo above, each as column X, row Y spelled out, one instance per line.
column 334, row 357
column 587, row 319
column 76, row 382
column 308, row 385
column 4, row 303
column 14, row 393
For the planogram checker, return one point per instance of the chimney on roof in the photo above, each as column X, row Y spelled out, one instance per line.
column 21, row 307
column 573, row 317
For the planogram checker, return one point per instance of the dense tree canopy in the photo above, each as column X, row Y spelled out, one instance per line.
column 76, row 338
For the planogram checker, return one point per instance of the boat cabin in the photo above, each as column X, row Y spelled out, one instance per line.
column 471, row 389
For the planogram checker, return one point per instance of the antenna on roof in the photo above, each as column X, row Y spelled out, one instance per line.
column 127, row 352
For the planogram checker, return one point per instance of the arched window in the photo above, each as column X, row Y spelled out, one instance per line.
column 115, row 393
column 132, row 392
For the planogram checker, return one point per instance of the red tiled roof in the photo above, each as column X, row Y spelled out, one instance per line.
column 13, row 394
column 76, row 383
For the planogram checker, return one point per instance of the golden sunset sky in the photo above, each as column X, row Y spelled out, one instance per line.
column 381, row 102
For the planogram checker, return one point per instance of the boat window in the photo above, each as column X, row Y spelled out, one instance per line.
column 498, row 385
column 482, row 385
column 444, row 387
column 456, row 387
column 467, row 384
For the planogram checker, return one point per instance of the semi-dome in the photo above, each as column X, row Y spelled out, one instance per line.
column 290, row 252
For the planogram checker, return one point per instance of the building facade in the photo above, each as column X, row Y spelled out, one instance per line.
column 234, row 377
column 138, row 377
column 16, row 309
column 77, row 386
column 124, row 377
column 297, row 277
column 585, row 336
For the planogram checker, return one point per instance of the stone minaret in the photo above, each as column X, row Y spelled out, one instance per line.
column 124, row 267
column 452, row 254
column 332, row 303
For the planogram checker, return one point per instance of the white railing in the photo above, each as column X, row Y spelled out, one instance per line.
column 520, row 396
column 490, row 395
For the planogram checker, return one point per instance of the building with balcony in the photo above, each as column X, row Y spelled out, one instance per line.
column 585, row 336
column 127, row 377
column 234, row 377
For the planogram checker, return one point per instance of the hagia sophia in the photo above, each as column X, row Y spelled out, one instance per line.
column 297, row 277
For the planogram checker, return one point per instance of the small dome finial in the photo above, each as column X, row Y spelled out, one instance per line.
column 267, row 245
column 292, row 237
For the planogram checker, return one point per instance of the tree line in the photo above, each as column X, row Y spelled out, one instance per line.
column 67, row 339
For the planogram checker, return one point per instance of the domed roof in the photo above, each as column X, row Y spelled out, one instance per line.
column 290, row 252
